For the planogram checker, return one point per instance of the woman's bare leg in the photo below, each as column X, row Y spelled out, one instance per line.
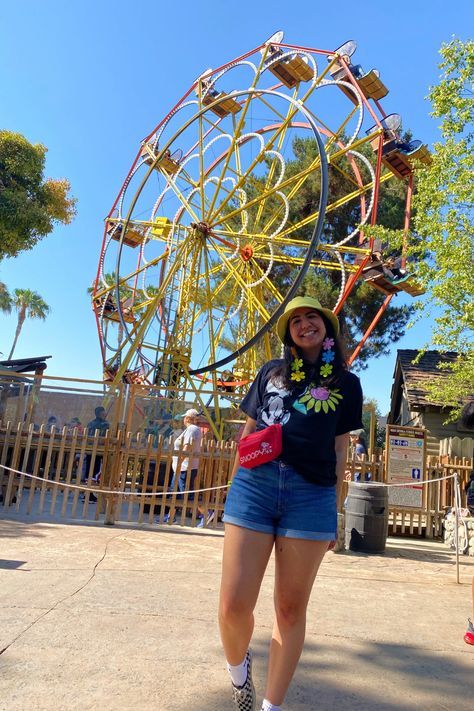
column 245, row 559
column 296, row 564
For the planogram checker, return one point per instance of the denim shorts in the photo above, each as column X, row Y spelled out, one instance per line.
column 274, row 498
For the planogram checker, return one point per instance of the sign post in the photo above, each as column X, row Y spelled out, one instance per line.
column 405, row 463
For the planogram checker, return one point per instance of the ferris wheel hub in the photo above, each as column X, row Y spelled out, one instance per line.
column 246, row 253
column 201, row 229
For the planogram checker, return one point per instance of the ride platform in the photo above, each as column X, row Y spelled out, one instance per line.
column 386, row 286
column 167, row 162
column 227, row 105
column 133, row 237
column 372, row 86
column 398, row 161
column 292, row 71
column 109, row 310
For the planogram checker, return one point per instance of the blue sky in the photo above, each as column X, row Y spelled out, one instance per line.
column 91, row 79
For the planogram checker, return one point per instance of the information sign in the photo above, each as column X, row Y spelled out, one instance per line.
column 405, row 463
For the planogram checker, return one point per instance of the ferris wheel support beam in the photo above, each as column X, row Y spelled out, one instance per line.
column 371, row 328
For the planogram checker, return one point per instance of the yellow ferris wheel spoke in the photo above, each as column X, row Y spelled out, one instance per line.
column 237, row 133
column 254, row 163
column 268, row 283
column 269, row 192
column 210, row 323
column 123, row 281
column 271, row 171
column 241, row 281
column 201, row 165
column 137, row 332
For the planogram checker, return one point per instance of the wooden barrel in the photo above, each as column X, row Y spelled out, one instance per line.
column 366, row 517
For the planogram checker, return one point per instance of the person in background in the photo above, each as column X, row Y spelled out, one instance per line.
column 52, row 422
column 189, row 442
column 73, row 424
column 358, row 444
column 98, row 423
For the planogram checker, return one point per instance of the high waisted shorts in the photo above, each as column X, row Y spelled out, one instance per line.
column 274, row 498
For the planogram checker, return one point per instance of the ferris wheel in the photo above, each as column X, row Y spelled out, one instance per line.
column 229, row 202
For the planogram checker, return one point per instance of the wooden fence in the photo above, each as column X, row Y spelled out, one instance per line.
column 54, row 474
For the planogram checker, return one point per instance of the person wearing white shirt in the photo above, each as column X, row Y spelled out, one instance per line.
column 187, row 447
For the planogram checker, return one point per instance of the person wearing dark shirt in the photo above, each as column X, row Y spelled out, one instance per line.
column 98, row 423
column 290, row 503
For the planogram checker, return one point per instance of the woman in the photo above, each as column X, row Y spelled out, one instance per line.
column 288, row 503
column 358, row 444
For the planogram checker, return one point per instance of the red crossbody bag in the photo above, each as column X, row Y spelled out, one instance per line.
column 260, row 447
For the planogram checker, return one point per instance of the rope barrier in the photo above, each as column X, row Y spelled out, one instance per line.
column 189, row 491
column 407, row 483
column 94, row 490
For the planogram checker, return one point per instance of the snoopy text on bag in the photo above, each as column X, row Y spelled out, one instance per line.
column 261, row 446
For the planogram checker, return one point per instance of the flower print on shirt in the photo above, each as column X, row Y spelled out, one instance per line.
column 318, row 398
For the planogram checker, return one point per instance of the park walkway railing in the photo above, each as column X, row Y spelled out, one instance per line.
column 125, row 477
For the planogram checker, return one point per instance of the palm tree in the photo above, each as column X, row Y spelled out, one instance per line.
column 5, row 299
column 28, row 304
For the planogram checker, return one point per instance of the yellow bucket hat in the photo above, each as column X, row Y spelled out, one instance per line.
column 302, row 302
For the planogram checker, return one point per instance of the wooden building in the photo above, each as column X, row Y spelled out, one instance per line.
column 411, row 405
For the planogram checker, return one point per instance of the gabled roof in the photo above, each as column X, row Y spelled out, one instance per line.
column 415, row 376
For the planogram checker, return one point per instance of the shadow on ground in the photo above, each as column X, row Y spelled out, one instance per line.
column 331, row 680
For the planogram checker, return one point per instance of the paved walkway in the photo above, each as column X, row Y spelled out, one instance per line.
column 120, row 618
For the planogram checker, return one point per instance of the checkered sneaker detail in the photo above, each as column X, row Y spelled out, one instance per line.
column 244, row 696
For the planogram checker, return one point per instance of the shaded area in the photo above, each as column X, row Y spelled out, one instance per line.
column 11, row 564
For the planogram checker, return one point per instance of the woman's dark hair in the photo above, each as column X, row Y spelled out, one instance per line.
column 283, row 371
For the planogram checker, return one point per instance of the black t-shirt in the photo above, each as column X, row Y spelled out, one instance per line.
column 310, row 418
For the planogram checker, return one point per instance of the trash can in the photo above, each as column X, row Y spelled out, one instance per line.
column 366, row 517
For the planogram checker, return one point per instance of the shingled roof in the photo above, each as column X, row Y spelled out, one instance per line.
column 415, row 376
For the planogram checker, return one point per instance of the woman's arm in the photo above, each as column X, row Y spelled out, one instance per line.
column 249, row 427
column 341, row 444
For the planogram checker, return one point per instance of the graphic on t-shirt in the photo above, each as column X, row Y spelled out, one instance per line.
column 275, row 411
column 317, row 398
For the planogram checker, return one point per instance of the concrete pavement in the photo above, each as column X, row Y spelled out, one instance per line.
column 122, row 618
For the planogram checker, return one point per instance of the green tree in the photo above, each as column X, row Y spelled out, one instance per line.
column 370, row 403
column 444, row 223
column 28, row 304
column 30, row 205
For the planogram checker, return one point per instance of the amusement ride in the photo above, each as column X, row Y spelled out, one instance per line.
column 211, row 232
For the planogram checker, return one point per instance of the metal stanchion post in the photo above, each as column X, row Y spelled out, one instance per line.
column 457, row 499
